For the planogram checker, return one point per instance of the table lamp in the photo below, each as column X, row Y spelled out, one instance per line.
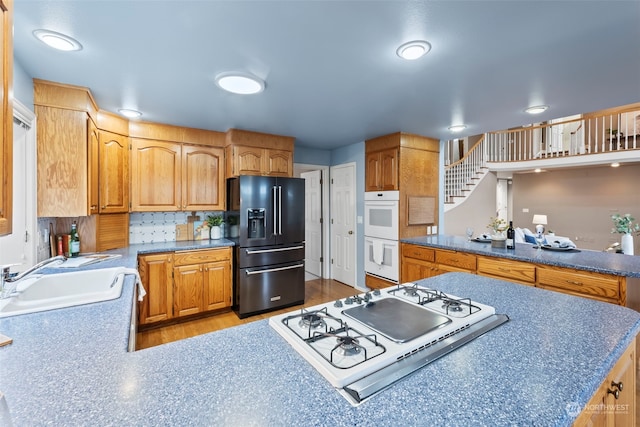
column 540, row 221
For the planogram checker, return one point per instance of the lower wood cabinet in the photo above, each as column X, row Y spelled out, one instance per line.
column 513, row 271
column 184, row 283
column 614, row 403
column 419, row 262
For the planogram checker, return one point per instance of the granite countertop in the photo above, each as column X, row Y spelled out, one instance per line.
column 70, row 367
column 581, row 259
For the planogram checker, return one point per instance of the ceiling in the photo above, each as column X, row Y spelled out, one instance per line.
column 331, row 70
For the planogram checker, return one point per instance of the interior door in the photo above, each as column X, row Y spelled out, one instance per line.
column 312, row 221
column 343, row 224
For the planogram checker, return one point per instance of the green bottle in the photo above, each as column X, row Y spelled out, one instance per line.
column 74, row 242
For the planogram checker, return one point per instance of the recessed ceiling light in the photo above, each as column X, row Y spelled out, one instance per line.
column 240, row 83
column 413, row 50
column 537, row 109
column 57, row 40
column 132, row 114
column 615, row 164
column 457, row 128
column 537, row 170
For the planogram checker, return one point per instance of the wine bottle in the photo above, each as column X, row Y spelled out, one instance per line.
column 511, row 234
column 74, row 241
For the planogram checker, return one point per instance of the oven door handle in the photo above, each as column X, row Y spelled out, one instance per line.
column 264, row 251
column 271, row 270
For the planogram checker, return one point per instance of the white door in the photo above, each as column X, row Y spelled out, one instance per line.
column 313, row 222
column 20, row 247
column 343, row 224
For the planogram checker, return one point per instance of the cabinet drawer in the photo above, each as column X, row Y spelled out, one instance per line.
column 417, row 252
column 583, row 282
column 508, row 269
column 201, row 256
column 456, row 259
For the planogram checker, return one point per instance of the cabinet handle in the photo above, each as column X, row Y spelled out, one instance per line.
column 102, row 207
column 616, row 393
column 94, row 207
column 618, row 385
column 504, row 269
column 573, row 282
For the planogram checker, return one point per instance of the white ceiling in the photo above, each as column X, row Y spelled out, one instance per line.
column 330, row 67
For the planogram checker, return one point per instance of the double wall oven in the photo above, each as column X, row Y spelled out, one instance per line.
column 381, row 233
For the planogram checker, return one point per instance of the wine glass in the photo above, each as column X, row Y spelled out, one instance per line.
column 469, row 232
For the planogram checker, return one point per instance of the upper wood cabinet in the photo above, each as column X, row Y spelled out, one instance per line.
column 169, row 176
column 6, row 135
column 254, row 153
column 382, row 170
column 113, row 173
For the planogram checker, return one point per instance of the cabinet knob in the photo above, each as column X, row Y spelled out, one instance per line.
column 618, row 385
column 102, row 207
column 616, row 393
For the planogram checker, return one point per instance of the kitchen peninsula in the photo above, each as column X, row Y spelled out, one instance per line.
column 598, row 275
column 70, row 367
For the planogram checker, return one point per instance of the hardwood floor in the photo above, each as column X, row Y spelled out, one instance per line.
column 317, row 292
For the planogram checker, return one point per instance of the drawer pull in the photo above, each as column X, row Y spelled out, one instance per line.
column 573, row 282
column 504, row 269
column 618, row 385
column 616, row 393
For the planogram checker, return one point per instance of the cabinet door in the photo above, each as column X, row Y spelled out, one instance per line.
column 279, row 163
column 247, row 160
column 388, row 170
column 156, row 274
column 217, row 285
column 372, row 171
column 114, row 173
column 155, row 181
column 6, row 134
column 187, row 289
column 62, row 158
column 202, row 178
column 93, row 145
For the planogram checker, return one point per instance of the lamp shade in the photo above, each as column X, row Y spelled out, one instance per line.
column 540, row 219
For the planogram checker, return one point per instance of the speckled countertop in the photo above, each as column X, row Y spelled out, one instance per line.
column 581, row 259
column 70, row 367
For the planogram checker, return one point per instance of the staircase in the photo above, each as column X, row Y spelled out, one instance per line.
column 462, row 176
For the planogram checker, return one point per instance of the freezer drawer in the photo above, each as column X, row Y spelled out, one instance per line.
column 268, row 255
column 268, row 288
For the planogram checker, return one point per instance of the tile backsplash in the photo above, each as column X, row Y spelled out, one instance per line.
column 149, row 227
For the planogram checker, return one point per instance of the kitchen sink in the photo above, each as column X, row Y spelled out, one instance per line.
column 52, row 291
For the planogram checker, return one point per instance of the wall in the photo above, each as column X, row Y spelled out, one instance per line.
column 311, row 156
column 579, row 202
column 475, row 211
column 22, row 86
column 347, row 154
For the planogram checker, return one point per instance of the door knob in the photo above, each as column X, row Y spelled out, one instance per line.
column 350, row 231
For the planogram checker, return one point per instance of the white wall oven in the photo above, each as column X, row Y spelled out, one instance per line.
column 381, row 234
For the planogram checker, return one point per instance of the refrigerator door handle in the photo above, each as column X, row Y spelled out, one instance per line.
column 274, row 193
column 280, row 210
column 271, row 270
column 263, row 251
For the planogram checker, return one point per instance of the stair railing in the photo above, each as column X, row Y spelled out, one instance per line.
column 461, row 174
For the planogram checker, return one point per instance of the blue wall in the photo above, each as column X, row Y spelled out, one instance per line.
column 22, row 86
column 311, row 156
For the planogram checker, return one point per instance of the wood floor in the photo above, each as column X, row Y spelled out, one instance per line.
column 317, row 292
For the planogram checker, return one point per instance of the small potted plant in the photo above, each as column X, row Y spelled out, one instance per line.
column 624, row 224
column 214, row 222
column 233, row 226
column 498, row 226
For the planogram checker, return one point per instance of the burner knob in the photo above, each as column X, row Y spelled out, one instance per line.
column 348, row 300
column 376, row 292
column 367, row 297
column 338, row 303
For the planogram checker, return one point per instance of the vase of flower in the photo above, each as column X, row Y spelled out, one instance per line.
column 498, row 226
column 624, row 224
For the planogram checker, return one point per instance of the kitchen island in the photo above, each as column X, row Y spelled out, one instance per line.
column 70, row 367
column 608, row 277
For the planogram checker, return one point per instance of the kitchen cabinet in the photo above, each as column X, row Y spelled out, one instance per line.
column 202, row 281
column 156, row 272
column 419, row 262
column 382, row 170
column 254, row 153
column 408, row 164
column 6, row 134
column 171, row 176
column 185, row 283
column 113, row 172
column 613, row 404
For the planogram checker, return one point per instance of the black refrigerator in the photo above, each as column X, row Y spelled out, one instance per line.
column 269, row 261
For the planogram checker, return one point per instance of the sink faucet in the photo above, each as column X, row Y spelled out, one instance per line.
column 8, row 283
